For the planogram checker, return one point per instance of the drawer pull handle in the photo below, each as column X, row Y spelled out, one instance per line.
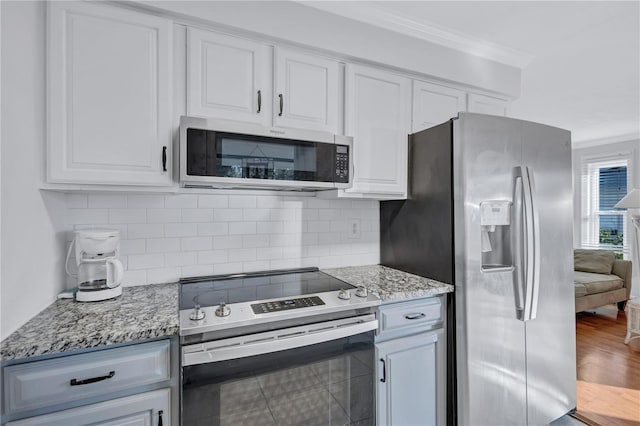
column 160, row 418
column 384, row 371
column 75, row 382
column 415, row 316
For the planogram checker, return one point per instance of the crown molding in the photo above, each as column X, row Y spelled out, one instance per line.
column 588, row 143
column 428, row 31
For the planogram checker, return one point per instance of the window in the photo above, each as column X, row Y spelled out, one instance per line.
column 604, row 183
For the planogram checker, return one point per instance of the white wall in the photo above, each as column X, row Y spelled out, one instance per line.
column 165, row 237
column 607, row 150
column 32, row 237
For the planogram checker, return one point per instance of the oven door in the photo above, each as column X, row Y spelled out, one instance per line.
column 317, row 374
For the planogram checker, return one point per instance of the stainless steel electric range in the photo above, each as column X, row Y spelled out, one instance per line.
column 277, row 348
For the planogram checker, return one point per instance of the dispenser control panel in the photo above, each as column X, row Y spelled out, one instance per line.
column 495, row 212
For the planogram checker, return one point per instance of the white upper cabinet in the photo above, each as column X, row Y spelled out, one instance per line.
column 228, row 77
column 434, row 104
column 377, row 115
column 306, row 91
column 487, row 104
column 108, row 95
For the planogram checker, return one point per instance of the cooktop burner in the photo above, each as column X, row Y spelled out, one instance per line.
column 221, row 306
column 214, row 290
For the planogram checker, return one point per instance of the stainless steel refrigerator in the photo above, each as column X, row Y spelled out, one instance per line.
column 489, row 210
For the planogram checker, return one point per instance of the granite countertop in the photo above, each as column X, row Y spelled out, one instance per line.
column 390, row 284
column 143, row 312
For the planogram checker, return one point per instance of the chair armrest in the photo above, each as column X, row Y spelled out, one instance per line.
column 622, row 268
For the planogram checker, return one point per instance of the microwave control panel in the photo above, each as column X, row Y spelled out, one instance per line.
column 342, row 164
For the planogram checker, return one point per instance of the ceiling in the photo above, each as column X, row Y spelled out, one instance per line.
column 580, row 60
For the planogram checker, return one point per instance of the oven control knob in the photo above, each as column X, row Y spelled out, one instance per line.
column 362, row 292
column 223, row 310
column 344, row 294
column 197, row 314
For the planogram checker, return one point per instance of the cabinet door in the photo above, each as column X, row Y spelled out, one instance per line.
column 487, row 105
column 306, row 93
column 378, row 118
column 228, row 77
column 145, row 409
column 109, row 95
column 411, row 380
column 434, row 104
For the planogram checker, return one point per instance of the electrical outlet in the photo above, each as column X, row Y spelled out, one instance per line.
column 354, row 231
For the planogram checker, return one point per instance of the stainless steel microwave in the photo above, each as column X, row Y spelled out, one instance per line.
column 229, row 154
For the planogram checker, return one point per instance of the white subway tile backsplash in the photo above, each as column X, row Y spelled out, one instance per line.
column 319, row 226
column 87, row 216
column 144, row 230
column 181, row 258
column 227, row 268
column 196, row 243
column 255, row 214
column 127, row 215
column 163, row 275
column 181, row 201
column 269, row 253
column 180, row 230
column 163, row 215
column 109, row 201
column 132, row 278
column 242, row 228
column 242, row 255
column 221, row 228
column 211, row 257
column 227, row 215
column 255, row 266
column 165, row 237
column 163, row 245
column 76, row 201
column 269, row 227
column 227, row 242
column 140, row 201
column 132, row 247
column 260, row 240
column 145, row 261
column 213, row 201
column 242, row 201
column 197, row 215
column 196, row 270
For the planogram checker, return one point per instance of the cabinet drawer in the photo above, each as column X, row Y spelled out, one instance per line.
column 52, row 382
column 410, row 314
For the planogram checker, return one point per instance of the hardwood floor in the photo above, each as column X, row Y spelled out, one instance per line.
column 608, row 370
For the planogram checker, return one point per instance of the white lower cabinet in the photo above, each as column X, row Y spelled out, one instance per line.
column 145, row 409
column 411, row 374
column 128, row 385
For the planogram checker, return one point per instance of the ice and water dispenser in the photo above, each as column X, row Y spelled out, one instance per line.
column 495, row 245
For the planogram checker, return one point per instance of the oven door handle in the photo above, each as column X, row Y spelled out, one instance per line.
column 274, row 341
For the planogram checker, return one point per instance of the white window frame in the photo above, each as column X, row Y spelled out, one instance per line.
column 590, row 213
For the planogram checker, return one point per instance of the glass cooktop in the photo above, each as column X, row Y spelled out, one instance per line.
column 213, row 290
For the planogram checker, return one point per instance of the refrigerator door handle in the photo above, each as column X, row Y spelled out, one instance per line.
column 534, row 272
column 518, row 236
column 531, row 247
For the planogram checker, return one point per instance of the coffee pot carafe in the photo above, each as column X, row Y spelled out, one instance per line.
column 99, row 269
